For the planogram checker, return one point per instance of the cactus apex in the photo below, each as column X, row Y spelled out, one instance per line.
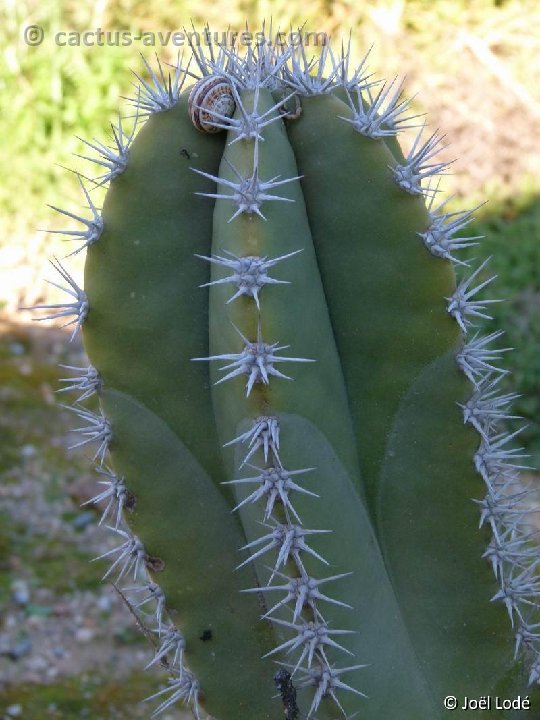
column 249, row 192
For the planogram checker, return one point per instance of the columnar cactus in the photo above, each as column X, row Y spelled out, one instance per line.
column 309, row 475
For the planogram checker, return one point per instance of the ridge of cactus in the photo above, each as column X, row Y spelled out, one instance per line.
column 300, row 428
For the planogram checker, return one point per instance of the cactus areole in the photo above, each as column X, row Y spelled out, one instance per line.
column 301, row 438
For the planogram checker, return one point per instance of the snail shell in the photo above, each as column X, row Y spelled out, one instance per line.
column 214, row 94
column 292, row 109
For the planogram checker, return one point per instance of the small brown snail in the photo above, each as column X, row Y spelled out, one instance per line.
column 210, row 98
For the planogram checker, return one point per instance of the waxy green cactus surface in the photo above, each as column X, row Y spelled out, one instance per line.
column 301, row 434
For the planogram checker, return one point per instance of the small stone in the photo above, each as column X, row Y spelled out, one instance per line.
column 83, row 520
column 104, row 603
column 10, row 622
column 37, row 612
column 4, row 645
column 84, row 635
column 20, row 649
column 47, row 393
column 38, row 664
column 20, row 592
column 61, row 609
column 43, row 595
column 51, row 672
column 25, row 368
column 28, row 451
column 14, row 710
column 17, row 348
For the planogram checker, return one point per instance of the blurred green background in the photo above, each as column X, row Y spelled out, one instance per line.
column 474, row 65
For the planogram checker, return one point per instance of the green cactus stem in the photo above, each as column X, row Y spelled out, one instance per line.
column 301, row 440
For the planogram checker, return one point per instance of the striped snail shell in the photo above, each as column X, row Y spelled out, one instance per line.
column 209, row 95
column 292, row 109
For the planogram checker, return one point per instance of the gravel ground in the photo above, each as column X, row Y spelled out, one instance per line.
column 46, row 633
column 57, row 620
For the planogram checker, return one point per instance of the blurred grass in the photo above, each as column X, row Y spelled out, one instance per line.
column 87, row 696
column 512, row 237
column 51, row 94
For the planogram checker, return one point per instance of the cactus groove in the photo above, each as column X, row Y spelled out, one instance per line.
column 301, row 433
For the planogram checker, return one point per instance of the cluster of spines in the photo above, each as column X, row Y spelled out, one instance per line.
column 506, row 507
column 285, row 535
column 512, row 551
